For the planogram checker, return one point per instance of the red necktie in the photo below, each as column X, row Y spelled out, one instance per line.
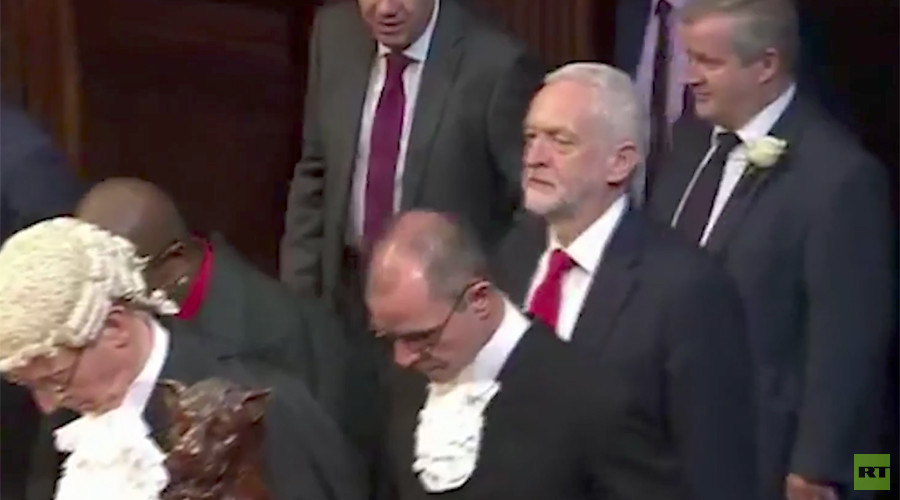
column 384, row 150
column 548, row 296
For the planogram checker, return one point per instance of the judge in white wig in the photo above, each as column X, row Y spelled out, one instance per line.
column 79, row 329
column 76, row 329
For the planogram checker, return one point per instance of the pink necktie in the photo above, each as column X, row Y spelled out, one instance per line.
column 384, row 150
column 547, row 297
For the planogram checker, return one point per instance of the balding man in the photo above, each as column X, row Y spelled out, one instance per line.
column 506, row 412
column 661, row 322
column 219, row 293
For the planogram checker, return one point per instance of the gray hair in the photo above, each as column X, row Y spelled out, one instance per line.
column 616, row 104
column 762, row 25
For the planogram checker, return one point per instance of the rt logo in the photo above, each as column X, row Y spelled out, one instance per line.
column 872, row 472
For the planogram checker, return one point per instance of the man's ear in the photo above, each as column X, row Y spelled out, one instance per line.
column 770, row 65
column 622, row 163
column 115, row 327
column 254, row 403
column 477, row 298
column 171, row 393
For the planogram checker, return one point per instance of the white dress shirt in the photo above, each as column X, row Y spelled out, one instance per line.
column 140, row 389
column 412, row 77
column 677, row 62
column 587, row 252
column 757, row 128
column 492, row 356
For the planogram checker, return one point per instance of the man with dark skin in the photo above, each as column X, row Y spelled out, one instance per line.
column 218, row 292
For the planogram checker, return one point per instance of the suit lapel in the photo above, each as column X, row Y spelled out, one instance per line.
column 438, row 75
column 521, row 257
column 753, row 182
column 356, row 63
column 692, row 141
column 613, row 283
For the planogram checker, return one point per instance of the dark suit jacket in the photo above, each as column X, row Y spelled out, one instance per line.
column 35, row 184
column 306, row 455
column 664, row 329
column 261, row 316
column 808, row 242
column 465, row 147
column 538, row 440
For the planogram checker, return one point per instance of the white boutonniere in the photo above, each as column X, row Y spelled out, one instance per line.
column 764, row 152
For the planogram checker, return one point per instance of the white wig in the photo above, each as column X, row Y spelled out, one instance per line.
column 58, row 280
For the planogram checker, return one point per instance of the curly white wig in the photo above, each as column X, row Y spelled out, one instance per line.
column 58, row 280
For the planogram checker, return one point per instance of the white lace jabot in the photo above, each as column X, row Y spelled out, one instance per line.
column 448, row 437
column 112, row 458
column 112, row 455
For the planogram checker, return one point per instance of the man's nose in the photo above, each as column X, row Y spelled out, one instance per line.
column 535, row 152
column 386, row 7
column 46, row 402
column 404, row 357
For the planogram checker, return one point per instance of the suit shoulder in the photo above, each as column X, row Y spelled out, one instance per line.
column 831, row 153
column 667, row 257
column 336, row 13
column 489, row 42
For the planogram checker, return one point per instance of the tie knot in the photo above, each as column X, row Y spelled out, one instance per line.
column 727, row 141
column 663, row 8
column 396, row 64
column 560, row 263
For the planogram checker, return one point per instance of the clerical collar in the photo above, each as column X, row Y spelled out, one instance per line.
column 140, row 389
column 493, row 354
column 196, row 293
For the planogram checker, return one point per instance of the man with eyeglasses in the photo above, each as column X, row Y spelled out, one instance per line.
column 220, row 293
column 80, row 330
column 503, row 410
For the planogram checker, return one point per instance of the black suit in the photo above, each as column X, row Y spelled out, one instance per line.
column 465, row 144
column 261, row 316
column 808, row 242
column 538, row 440
column 664, row 329
column 306, row 455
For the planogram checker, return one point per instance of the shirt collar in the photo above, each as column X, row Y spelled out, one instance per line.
column 588, row 247
column 418, row 50
column 493, row 355
column 760, row 125
column 140, row 389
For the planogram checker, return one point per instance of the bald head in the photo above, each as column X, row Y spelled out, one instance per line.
column 134, row 209
column 429, row 247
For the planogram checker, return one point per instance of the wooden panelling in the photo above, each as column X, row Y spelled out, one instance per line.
column 40, row 66
column 202, row 98
column 560, row 31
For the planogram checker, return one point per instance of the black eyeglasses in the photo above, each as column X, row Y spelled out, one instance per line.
column 423, row 340
column 58, row 389
column 159, row 258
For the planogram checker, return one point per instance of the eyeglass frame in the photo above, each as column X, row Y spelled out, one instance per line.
column 428, row 337
column 58, row 389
